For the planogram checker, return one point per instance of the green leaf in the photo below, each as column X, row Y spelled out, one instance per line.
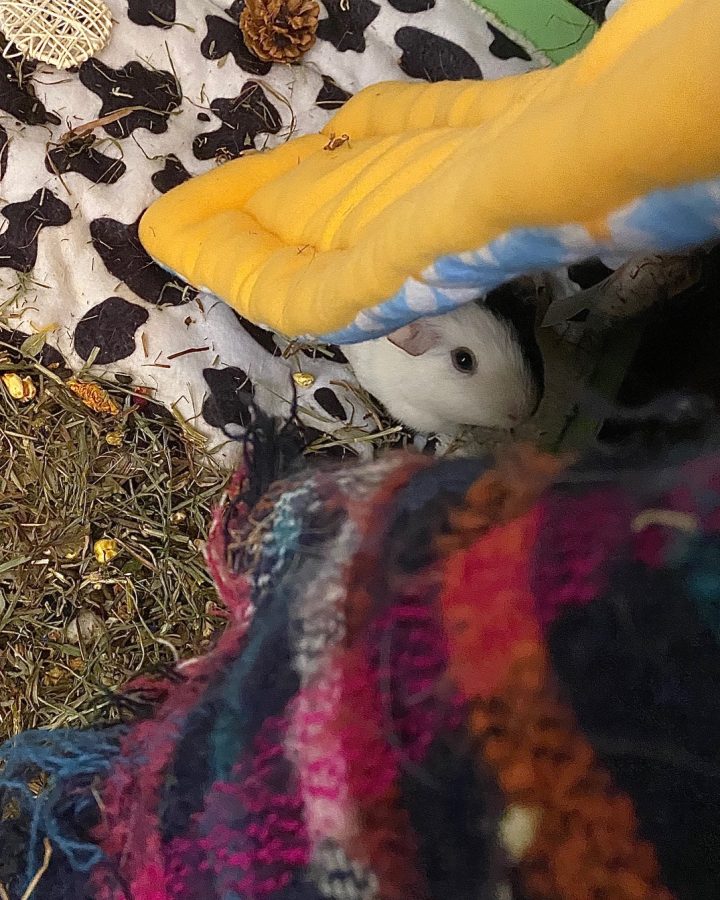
column 14, row 563
column 33, row 345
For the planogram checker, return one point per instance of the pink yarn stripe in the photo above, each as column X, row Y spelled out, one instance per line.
column 251, row 836
column 578, row 537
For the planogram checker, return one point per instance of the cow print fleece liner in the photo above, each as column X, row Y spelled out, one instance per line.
column 70, row 258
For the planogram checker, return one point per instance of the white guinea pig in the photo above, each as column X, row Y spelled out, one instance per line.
column 477, row 365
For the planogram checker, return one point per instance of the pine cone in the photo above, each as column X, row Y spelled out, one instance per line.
column 279, row 30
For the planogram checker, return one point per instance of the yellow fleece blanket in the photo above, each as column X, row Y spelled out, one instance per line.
column 416, row 198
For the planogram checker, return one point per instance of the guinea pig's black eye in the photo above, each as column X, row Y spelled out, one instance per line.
column 464, row 360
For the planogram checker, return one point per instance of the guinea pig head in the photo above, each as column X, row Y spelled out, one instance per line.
column 466, row 367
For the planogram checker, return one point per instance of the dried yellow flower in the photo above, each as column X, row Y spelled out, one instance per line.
column 54, row 676
column 304, row 379
column 114, row 438
column 105, row 550
column 94, row 397
column 20, row 387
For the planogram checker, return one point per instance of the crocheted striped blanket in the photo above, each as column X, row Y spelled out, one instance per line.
column 439, row 679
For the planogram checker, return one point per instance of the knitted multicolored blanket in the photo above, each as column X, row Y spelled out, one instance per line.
column 438, row 680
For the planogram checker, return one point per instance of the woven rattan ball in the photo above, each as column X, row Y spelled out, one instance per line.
column 63, row 33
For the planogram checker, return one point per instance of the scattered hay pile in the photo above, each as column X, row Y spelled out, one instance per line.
column 104, row 502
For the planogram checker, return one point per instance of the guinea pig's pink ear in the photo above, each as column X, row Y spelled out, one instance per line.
column 416, row 338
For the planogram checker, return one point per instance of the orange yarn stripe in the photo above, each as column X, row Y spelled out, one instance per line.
column 502, row 494
column 585, row 844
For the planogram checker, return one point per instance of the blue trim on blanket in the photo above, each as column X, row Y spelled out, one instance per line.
column 664, row 221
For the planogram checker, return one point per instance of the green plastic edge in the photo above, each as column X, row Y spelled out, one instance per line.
column 556, row 28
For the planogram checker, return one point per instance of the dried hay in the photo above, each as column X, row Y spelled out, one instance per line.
column 79, row 617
